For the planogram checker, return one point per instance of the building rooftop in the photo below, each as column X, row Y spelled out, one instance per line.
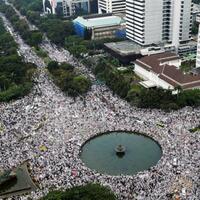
column 99, row 21
column 169, row 73
column 124, row 48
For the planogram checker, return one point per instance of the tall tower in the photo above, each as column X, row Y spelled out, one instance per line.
column 112, row 6
column 70, row 6
column 176, row 22
column 158, row 21
column 198, row 44
column 181, row 21
column 53, row 5
column 49, row 6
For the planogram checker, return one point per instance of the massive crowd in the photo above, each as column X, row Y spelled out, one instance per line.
column 47, row 118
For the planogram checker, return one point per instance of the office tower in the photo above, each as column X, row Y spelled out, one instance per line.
column 112, row 6
column 49, row 6
column 75, row 7
column 198, row 44
column 158, row 21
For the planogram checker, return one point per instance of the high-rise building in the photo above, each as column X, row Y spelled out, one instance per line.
column 158, row 21
column 112, row 6
column 75, row 7
column 198, row 44
column 49, row 6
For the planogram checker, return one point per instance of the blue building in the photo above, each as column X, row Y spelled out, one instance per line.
column 99, row 26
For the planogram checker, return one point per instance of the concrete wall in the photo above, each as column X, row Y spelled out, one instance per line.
column 111, row 6
column 144, row 74
column 153, row 21
column 104, row 32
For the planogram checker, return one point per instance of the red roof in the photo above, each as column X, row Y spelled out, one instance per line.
column 169, row 73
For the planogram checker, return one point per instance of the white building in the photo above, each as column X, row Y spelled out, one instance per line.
column 198, row 44
column 158, row 21
column 49, row 6
column 112, row 6
column 162, row 70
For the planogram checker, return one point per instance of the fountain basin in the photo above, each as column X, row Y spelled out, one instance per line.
column 136, row 153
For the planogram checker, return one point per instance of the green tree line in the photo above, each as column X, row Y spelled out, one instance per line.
column 64, row 75
column 15, row 75
column 31, row 37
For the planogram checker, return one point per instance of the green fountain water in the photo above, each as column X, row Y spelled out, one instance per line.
column 121, row 153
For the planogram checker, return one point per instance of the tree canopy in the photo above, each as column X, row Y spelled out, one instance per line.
column 87, row 192
column 67, row 78
column 31, row 37
column 15, row 75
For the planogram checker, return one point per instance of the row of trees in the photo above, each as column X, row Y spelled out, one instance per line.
column 15, row 75
column 68, row 80
column 31, row 37
column 164, row 99
column 24, row 5
column 87, row 192
column 79, row 46
column 64, row 75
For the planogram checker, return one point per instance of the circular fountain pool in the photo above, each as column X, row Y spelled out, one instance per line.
column 116, row 153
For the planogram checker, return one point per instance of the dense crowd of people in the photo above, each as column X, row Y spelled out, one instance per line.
column 47, row 118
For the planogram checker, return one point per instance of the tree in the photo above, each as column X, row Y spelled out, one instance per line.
column 35, row 38
column 4, row 83
column 87, row 192
column 33, row 16
column 53, row 65
column 133, row 95
column 15, row 75
column 67, row 67
column 80, row 84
